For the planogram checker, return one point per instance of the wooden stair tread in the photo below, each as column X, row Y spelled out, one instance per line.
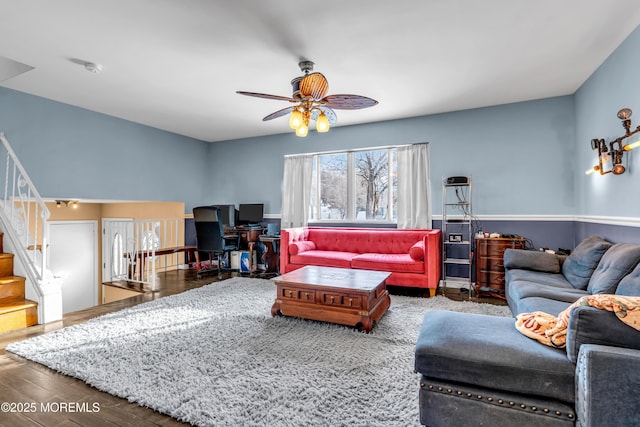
column 11, row 279
column 15, row 305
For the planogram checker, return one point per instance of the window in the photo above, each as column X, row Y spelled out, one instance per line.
column 354, row 186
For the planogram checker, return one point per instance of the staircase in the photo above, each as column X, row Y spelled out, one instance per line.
column 24, row 222
column 15, row 311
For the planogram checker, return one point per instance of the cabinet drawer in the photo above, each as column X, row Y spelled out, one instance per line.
column 292, row 293
column 340, row 300
column 331, row 299
column 496, row 246
column 495, row 251
column 489, row 278
column 351, row 301
column 493, row 264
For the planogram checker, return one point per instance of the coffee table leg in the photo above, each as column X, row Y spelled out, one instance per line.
column 275, row 309
column 368, row 322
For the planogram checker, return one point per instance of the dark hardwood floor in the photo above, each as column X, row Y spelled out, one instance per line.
column 36, row 395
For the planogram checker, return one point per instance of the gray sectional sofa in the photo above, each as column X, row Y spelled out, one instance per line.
column 479, row 370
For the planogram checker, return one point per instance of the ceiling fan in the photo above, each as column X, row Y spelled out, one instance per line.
column 312, row 102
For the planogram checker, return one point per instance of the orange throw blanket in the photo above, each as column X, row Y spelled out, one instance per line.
column 552, row 331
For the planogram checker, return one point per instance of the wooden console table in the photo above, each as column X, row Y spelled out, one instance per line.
column 141, row 256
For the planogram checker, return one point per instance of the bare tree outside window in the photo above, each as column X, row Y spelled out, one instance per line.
column 372, row 183
column 333, row 185
column 354, row 186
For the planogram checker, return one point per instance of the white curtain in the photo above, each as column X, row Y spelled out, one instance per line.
column 414, row 187
column 296, row 191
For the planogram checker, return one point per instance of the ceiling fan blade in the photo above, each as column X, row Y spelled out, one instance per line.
column 278, row 113
column 331, row 115
column 267, row 96
column 314, row 85
column 349, row 102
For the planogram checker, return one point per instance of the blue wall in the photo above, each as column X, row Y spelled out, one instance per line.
column 615, row 85
column 71, row 152
column 519, row 156
column 527, row 159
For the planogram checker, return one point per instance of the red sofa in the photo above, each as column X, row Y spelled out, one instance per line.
column 412, row 256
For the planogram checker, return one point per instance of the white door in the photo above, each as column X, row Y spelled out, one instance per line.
column 73, row 255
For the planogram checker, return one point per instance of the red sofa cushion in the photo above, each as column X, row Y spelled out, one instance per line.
column 387, row 262
column 364, row 240
column 416, row 251
column 324, row 258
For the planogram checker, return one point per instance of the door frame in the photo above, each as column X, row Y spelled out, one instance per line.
column 95, row 251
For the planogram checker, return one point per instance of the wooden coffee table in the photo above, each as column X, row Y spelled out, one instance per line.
column 356, row 298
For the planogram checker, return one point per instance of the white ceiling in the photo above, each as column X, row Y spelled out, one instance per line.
column 176, row 64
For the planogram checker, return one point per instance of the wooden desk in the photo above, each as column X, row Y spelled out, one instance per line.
column 141, row 256
column 271, row 255
column 249, row 235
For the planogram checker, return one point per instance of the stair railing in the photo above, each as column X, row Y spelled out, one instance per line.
column 24, row 218
column 138, row 249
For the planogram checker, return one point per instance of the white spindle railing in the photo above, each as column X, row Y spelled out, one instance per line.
column 132, row 246
column 24, row 220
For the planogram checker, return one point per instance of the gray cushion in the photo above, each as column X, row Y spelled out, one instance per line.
column 584, row 259
column 589, row 325
column 551, row 279
column 520, row 289
column 616, row 263
column 546, row 305
column 488, row 351
column 531, row 260
column 630, row 284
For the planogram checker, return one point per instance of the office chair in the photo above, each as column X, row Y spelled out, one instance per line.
column 210, row 237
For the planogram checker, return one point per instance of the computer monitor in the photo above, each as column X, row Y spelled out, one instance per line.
column 250, row 213
column 228, row 213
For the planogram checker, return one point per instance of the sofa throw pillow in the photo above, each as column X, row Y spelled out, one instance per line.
column 531, row 260
column 584, row 259
column 616, row 263
column 630, row 284
column 298, row 247
column 416, row 252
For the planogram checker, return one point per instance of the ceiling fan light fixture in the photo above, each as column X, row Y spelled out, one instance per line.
column 295, row 119
column 322, row 123
column 312, row 102
column 302, row 130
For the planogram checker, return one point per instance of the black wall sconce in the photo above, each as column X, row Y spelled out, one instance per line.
column 610, row 155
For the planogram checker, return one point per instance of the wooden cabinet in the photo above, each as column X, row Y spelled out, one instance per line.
column 490, row 263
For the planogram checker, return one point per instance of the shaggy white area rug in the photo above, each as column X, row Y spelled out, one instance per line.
column 214, row 356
